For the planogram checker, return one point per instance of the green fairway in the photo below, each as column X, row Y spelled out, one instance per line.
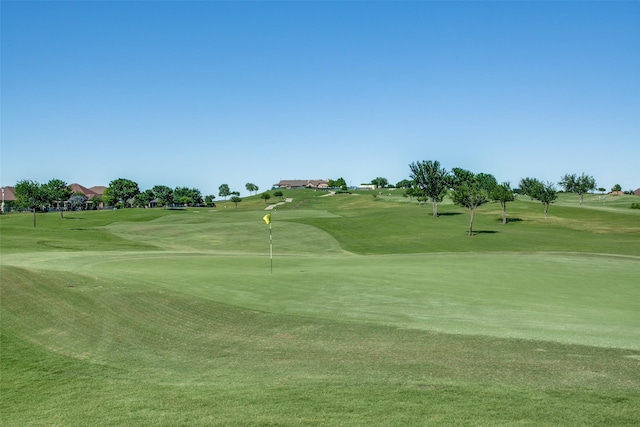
column 375, row 313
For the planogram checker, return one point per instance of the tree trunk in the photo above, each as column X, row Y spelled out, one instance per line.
column 546, row 209
column 504, row 213
column 34, row 217
column 581, row 196
column 435, row 208
column 472, row 212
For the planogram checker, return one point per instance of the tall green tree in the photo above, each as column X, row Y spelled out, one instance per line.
column 432, row 180
column 29, row 194
column 143, row 200
column 527, row 186
column 405, row 183
column 120, row 190
column 266, row 196
column 208, row 200
column 337, row 183
column 224, row 191
column 187, row 196
column 571, row 183
column 164, row 195
column 57, row 192
column 544, row 193
column 380, row 182
column 251, row 188
column 470, row 191
column 503, row 193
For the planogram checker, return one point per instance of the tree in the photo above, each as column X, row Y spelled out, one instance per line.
column 616, row 187
column 503, row 193
column 164, row 195
column 208, row 200
column 187, row 196
column 470, row 191
column 266, row 196
column 96, row 201
column 432, row 180
column 77, row 202
column 251, row 187
column 143, row 200
column 405, row 183
column 527, row 186
column 29, row 194
column 380, row 182
column 120, row 190
column 578, row 184
column 223, row 191
column 236, row 200
column 57, row 192
column 338, row 183
column 278, row 194
column 544, row 193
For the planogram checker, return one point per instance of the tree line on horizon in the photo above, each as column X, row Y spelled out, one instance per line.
column 121, row 193
column 429, row 181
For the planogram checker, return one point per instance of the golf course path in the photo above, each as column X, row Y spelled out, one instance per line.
column 270, row 207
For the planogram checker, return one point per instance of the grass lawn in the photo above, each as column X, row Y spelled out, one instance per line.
column 376, row 313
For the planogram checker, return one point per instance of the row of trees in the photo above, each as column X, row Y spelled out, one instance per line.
column 124, row 192
column 121, row 192
column 430, row 181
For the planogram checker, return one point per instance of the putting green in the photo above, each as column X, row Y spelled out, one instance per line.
column 568, row 298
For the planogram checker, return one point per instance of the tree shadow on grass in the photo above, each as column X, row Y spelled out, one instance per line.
column 484, row 232
column 510, row 220
column 449, row 213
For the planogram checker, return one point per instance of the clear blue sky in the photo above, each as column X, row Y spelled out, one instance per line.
column 202, row 93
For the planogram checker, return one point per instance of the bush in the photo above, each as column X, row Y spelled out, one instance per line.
column 635, row 205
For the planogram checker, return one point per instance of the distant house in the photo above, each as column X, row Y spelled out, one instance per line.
column 77, row 188
column 9, row 194
column 89, row 193
column 318, row 184
column 637, row 192
column 8, row 198
column 367, row 187
column 98, row 189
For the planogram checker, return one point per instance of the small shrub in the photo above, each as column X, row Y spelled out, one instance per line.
column 635, row 205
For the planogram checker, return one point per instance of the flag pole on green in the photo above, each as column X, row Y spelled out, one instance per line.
column 267, row 219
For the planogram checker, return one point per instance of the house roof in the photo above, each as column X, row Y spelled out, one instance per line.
column 293, row 183
column 77, row 188
column 98, row 189
column 9, row 193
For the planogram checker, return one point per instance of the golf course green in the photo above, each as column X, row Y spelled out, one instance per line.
column 370, row 312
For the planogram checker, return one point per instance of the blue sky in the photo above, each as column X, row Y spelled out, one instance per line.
column 202, row 93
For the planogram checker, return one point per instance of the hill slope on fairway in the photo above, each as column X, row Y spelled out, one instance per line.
column 375, row 313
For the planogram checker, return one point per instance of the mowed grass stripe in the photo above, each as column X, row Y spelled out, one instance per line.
column 223, row 365
column 571, row 298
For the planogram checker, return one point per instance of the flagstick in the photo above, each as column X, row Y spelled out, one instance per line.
column 270, row 247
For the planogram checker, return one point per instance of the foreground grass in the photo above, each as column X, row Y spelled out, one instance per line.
column 122, row 354
column 375, row 314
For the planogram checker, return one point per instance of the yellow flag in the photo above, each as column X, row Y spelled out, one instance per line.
column 267, row 218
